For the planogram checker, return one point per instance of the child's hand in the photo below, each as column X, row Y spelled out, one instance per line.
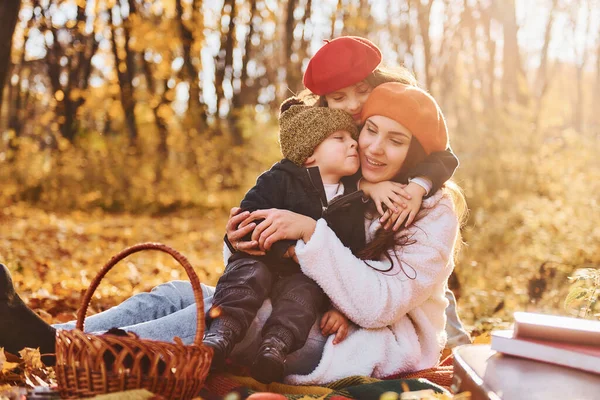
column 334, row 321
column 291, row 253
column 392, row 194
column 395, row 220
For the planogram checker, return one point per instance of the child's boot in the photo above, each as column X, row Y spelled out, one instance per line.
column 268, row 366
column 221, row 337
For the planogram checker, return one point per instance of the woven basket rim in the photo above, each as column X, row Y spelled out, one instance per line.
column 81, row 368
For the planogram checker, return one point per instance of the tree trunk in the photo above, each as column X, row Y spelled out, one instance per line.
column 303, row 49
column 597, row 91
column 541, row 80
column 77, row 71
column 334, row 17
column 15, row 117
column 581, row 61
column 292, row 70
column 486, row 15
column 225, row 56
column 406, row 34
column 196, row 109
column 125, row 72
column 364, row 20
column 8, row 22
column 471, row 25
column 161, row 124
column 240, row 98
column 423, row 14
column 510, row 56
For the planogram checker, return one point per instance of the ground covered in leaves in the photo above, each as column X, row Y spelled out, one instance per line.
column 53, row 257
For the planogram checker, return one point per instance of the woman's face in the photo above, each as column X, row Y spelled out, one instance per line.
column 383, row 144
column 350, row 99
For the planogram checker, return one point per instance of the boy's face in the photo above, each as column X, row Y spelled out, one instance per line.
column 336, row 157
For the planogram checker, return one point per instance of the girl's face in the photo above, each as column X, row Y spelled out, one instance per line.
column 383, row 144
column 350, row 99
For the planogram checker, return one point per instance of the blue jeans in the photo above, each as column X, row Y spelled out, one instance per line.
column 455, row 330
column 169, row 310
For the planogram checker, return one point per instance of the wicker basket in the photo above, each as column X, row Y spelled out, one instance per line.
column 88, row 364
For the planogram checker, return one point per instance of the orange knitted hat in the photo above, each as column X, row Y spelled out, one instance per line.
column 412, row 107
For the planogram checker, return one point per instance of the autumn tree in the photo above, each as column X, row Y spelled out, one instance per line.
column 582, row 55
column 125, row 64
column 423, row 17
column 8, row 21
column 69, row 59
column 190, row 25
column 512, row 78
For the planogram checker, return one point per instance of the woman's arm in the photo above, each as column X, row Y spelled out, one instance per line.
column 372, row 298
column 279, row 225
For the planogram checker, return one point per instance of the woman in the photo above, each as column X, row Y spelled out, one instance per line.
column 341, row 75
column 397, row 303
column 396, row 298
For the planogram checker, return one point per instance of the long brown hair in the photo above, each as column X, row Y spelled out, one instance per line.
column 386, row 240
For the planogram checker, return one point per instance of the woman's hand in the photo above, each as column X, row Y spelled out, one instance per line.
column 235, row 234
column 332, row 322
column 394, row 220
column 279, row 225
column 392, row 194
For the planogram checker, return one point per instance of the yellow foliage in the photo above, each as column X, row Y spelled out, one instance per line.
column 31, row 357
column 6, row 366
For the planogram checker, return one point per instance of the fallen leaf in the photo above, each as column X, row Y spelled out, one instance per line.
column 31, row 357
column 6, row 366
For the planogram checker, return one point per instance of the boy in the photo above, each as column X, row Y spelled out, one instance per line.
column 320, row 148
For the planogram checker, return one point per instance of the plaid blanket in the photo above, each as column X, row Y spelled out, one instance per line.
column 354, row 387
column 438, row 379
column 218, row 386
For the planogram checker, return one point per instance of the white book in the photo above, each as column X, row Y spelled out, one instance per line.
column 557, row 328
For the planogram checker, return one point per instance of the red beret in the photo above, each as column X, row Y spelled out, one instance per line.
column 340, row 63
column 413, row 108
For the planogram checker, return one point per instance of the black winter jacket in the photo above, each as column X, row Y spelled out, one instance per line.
column 299, row 189
column 438, row 167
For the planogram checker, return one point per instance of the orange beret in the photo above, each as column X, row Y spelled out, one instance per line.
column 413, row 108
column 340, row 63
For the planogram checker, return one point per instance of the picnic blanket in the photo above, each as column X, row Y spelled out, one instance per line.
column 438, row 379
column 218, row 386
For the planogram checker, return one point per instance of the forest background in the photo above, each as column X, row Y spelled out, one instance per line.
column 123, row 121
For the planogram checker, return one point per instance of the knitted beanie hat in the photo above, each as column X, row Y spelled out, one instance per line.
column 340, row 63
column 413, row 108
column 302, row 128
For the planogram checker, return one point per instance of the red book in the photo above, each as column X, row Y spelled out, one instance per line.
column 584, row 357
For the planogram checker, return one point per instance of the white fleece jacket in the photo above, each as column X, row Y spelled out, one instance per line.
column 400, row 316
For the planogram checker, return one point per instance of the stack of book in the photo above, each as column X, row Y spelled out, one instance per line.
column 565, row 341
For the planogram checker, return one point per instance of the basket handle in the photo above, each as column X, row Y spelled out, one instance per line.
column 134, row 249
